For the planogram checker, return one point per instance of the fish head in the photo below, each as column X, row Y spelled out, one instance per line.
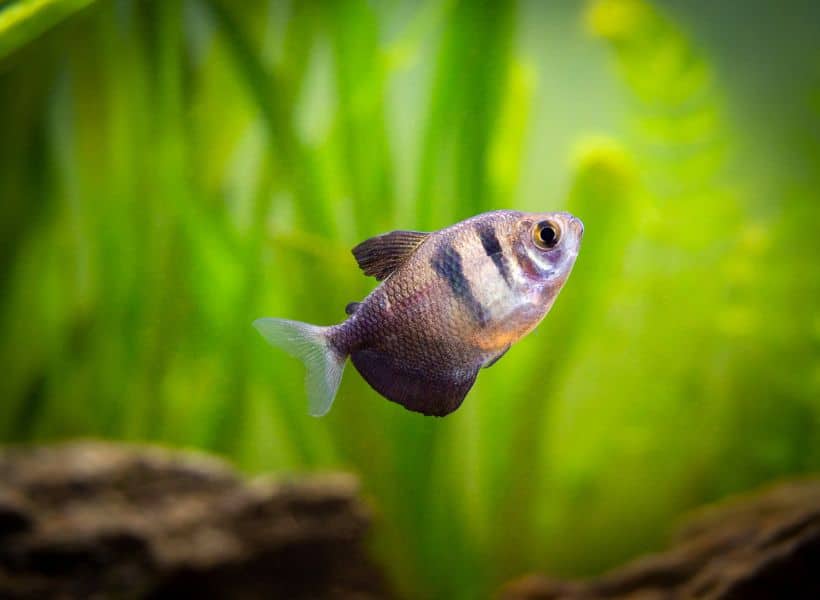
column 547, row 246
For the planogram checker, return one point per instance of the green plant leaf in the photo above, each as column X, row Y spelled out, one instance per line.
column 21, row 21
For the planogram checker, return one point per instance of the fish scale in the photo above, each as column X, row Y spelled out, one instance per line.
column 450, row 302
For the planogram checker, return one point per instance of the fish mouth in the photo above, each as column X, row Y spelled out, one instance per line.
column 571, row 223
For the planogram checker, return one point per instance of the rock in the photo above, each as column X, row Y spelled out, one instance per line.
column 105, row 520
column 13, row 515
column 756, row 547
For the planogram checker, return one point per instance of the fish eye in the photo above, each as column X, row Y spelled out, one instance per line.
column 546, row 235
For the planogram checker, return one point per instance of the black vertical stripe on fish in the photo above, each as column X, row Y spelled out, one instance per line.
column 446, row 262
column 492, row 247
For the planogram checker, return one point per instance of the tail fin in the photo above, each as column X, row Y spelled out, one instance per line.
column 308, row 343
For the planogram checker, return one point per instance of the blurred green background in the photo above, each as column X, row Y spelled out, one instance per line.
column 170, row 171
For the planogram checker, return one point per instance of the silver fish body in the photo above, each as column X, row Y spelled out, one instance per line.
column 451, row 302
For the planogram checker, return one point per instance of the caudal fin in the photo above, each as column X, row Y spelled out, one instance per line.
column 310, row 344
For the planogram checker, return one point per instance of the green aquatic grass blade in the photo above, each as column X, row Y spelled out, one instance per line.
column 274, row 97
column 678, row 142
column 360, row 89
column 471, row 72
column 22, row 21
column 606, row 196
column 466, row 130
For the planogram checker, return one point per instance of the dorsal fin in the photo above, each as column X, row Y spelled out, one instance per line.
column 381, row 255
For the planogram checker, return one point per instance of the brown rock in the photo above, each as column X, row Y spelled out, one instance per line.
column 104, row 520
column 756, row 547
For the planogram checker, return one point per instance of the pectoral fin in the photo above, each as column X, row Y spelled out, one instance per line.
column 429, row 393
column 496, row 358
column 381, row 255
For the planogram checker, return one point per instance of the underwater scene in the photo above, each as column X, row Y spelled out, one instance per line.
column 171, row 171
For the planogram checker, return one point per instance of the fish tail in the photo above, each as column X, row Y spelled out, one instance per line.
column 310, row 344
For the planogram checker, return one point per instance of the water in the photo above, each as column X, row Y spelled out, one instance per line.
column 169, row 172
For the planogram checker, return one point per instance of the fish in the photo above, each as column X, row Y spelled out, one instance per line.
column 449, row 303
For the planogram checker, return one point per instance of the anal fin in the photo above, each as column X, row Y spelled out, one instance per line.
column 429, row 393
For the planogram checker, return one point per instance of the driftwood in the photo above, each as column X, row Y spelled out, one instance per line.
column 764, row 546
column 93, row 520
